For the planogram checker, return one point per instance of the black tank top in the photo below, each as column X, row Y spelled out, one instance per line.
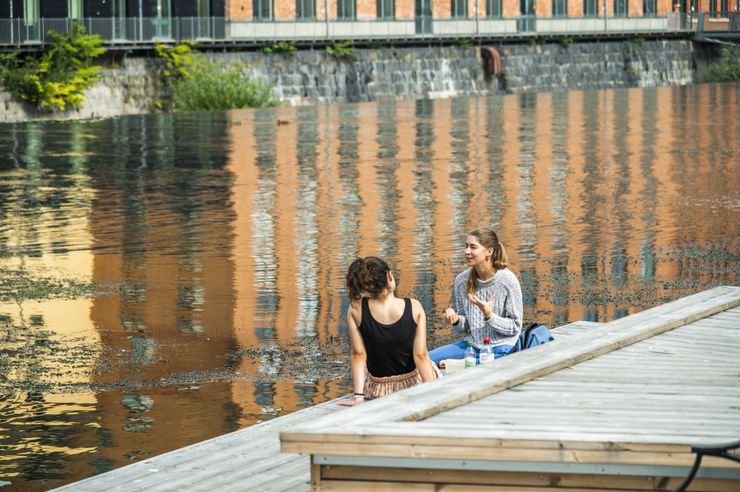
column 389, row 348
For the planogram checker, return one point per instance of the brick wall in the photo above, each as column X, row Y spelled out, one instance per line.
column 284, row 10
column 404, row 9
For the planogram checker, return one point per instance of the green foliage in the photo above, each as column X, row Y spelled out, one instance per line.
column 191, row 83
column 725, row 70
column 177, row 59
column 464, row 44
column 56, row 79
column 210, row 87
column 343, row 50
column 639, row 39
column 566, row 42
column 285, row 48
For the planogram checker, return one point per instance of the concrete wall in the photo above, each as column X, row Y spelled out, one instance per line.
column 315, row 77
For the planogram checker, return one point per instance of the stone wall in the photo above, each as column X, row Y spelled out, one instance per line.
column 129, row 88
column 597, row 65
column 316, row 77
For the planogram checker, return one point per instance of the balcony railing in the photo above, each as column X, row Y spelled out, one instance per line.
column 15, row 32
column 116, row 30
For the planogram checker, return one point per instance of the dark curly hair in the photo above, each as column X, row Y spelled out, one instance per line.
column 367, row 277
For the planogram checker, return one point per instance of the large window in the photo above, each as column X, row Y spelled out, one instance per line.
column 75, row 9
column 386, row 9
column 30, row 11
column 620, row 8
column 459, row 8
column 346, row 9
column 559, row 8
column 649, row 7
column 262, row 9
column 493, row 8
column 305, row 9
column 590, row 8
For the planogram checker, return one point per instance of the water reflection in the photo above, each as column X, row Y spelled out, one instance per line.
column 221, row 241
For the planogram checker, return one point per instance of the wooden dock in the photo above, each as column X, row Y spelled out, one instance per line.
column 250, row 459
column 618, row 407
column 248, row 456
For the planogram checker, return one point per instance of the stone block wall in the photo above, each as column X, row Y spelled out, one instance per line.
column 597, row 65
column 313, row 76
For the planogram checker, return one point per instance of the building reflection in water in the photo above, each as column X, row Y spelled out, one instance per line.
column 225, row 238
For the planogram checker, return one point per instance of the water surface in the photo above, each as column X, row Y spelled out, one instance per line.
column 207, row 252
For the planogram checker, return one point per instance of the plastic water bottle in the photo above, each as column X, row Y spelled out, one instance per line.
column 469, row 356
column 486, row 352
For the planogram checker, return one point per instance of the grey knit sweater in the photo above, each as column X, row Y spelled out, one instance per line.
column 504, row 326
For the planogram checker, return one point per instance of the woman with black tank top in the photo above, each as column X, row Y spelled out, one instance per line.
column 387, row 334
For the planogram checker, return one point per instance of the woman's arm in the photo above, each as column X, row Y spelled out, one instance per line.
column 421, row 353
column 462, row 327
column 509, row 322
column 359, row 356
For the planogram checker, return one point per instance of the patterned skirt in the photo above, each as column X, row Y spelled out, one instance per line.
column 377, row 387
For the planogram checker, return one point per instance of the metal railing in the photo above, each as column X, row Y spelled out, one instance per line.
column 15, row 32
column 113, row 30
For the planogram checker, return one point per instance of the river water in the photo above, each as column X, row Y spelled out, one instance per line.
column 192, row 266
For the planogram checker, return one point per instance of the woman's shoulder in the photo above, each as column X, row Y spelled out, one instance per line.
column 508, row 277
column 416, row 308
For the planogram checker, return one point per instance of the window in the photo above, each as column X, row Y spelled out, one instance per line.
column 74, row 9
column 30, row 11
column 346, row 9
column 590, row 8
column 493, row 8
column 620, row 8
column 713, row 8
column 163, row 9
column 305, row 9
column 559, row 8
column 459, row 8
column 262, row 9
column 386, row 9
column 649, row 8
column 724, row 10
column 204, row 9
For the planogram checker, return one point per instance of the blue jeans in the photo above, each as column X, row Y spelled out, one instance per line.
column 457, row 351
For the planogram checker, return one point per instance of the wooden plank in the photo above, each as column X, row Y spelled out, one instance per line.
column 456, row 478
column 540, row 479
column 241, row 454
column 464, row 451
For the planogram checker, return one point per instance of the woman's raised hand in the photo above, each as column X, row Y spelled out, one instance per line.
column 451, row 316
column 485, row 305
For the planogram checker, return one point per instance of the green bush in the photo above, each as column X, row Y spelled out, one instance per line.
column 210, row 87
column 726, row 70
column 177, row 59
column 56, row 79
column 343, row 50
column 285, row 48
column 565, row 42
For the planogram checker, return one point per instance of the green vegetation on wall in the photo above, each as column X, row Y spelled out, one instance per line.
column 285, row 48
column 725, row 69
column 211, row 87
column 192, row 83
column 57, row 78
column 342, row 51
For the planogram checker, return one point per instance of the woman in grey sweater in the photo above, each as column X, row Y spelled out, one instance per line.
column 488, row 300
